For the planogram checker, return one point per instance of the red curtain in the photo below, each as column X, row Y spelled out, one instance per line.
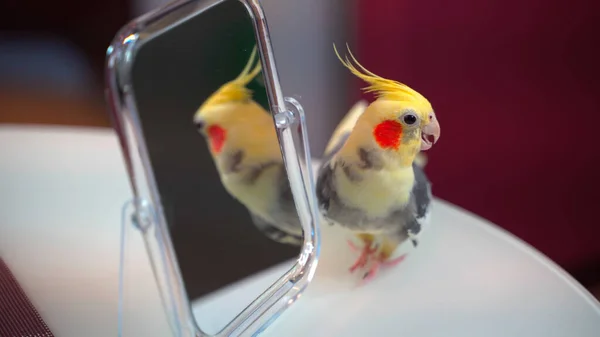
column 515, row 85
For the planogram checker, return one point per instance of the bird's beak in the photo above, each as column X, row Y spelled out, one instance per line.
column 430, row 133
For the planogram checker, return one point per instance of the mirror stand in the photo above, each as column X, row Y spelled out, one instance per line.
column 140, row 304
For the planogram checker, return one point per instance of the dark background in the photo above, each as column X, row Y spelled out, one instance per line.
column 213, row 236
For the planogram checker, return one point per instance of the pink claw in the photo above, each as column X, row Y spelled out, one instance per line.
column 360, row 262
column 370, row 275
column 394, row 262
column 363, row 258
column 377, row 265
column 353, row 246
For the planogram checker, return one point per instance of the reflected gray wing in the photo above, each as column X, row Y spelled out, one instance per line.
column 275, row 233
column 286, row 227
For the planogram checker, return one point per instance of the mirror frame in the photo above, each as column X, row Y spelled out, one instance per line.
column 149, row 216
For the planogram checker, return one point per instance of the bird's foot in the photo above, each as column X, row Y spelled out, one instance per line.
column 366, row 252
column 378, row 263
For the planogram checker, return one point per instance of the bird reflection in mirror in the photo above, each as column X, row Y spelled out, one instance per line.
column 243, row 143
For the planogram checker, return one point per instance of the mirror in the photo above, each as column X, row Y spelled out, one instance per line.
column 203, row 112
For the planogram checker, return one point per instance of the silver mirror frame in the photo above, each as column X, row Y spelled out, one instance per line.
column 149, row 216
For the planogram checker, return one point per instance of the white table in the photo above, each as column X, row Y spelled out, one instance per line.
column 61, row 193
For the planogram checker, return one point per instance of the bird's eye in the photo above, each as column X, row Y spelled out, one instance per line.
column 409, row 119
column 199, row 125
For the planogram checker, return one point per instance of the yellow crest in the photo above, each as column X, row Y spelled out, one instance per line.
column 382, row 87
column 235, row 90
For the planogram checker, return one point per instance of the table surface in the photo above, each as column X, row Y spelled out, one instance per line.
column 61, row 194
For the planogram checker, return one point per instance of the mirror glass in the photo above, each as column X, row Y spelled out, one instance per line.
column 213, row 148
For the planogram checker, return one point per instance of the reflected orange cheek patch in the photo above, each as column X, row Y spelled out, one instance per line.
column 387, row 134
column 217, row 136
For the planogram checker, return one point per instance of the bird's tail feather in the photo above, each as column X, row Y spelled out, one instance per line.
column 346, row 125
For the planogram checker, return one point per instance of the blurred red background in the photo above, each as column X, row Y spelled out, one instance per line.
column 516, row 86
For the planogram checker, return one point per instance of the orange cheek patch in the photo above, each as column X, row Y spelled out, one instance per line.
column 217, row 136
column 387, row 134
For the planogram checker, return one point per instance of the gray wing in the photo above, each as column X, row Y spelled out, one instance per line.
column 421, row 194
column 325, row 191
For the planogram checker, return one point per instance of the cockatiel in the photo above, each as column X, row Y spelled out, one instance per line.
column 243, row 143
column 371, row 181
